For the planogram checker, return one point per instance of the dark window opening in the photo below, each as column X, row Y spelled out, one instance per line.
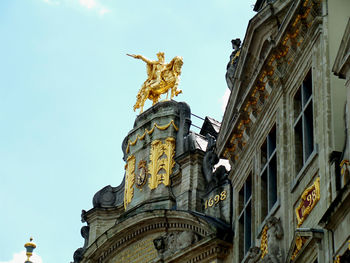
column 303, row 123
column 245, row 217
column 268, row 174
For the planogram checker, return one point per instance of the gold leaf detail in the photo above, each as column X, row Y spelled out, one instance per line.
column 161, row 162
column 129, row 180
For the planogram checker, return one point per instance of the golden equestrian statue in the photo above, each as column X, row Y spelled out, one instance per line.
column 161, row 78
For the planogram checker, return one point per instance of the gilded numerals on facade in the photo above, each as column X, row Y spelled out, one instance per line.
column 216, row 199
column 309, row 199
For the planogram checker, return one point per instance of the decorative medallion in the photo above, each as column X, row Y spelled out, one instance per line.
column 141, row 177
column 309, row 199
column 129, row 180
column 161, row 162
column 263, row 242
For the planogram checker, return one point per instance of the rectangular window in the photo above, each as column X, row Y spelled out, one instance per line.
column 303, row 123
column 268, row 174
column 245, row 217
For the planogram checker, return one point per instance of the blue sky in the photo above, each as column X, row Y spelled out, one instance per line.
column 66, row 95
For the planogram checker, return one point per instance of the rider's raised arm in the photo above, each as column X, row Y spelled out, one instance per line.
column 144, row 59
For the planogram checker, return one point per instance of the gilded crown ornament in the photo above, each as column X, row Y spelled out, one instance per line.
column 162, row 77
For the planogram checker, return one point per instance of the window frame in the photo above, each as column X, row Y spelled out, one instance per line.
column 269, row 170
column 245, row 207
column 305, row 122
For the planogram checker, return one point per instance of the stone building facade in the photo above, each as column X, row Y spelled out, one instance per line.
column 173, row 205
column 285, row 197
column 283, row 132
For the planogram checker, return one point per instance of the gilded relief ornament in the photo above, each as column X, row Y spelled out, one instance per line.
column 141, row 177
column 270, row 241
column 263, row 244
column 129, row 180
column 161, row 162
column 162, row 77
column 309, row 199
column 299, row 243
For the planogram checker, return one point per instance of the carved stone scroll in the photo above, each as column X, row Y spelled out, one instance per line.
column 172, row 242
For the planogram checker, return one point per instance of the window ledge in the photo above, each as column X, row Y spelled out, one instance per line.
column 304, row 170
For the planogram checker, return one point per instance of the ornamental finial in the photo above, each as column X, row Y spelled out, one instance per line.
column 162, row 77
column 29, row 247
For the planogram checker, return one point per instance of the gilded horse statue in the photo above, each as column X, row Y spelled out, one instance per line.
column 162, row 77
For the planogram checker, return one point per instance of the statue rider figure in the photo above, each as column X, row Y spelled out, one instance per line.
column 154, row 69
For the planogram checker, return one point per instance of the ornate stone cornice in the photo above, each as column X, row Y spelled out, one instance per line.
column 282, row 51
column 143, row 224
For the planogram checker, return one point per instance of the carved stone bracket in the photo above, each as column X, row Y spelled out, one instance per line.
column 303, row 237
column 168, row 244
column 270, row 246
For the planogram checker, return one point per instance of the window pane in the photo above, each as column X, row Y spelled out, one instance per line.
column 248, row 189
column 248, row 228
column 308, row 131
column 298, row 137
column 263, row 154
column 241, row 237
column 264, row 192
column 272, row 140
column 241, row 200
column 272, row 182
column 307, row 88
column 297, row 105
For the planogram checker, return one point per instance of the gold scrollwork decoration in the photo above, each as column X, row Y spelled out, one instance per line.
column 337, row 259
column 149, row 132
column 309, row 199
column 299, row 243
column 161, row 162
column 263, row 242
column 344, row 165
column 129, row 180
